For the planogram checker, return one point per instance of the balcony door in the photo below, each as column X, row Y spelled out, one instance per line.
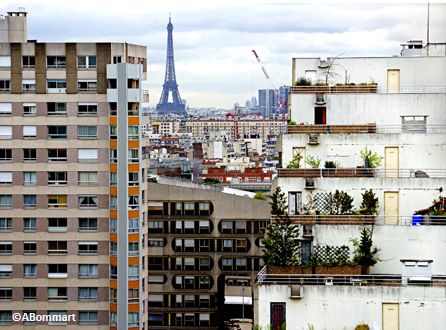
column 393, row 81
column 391, row 317
column 391, row 208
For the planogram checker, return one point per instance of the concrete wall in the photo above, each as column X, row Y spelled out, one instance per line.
column 415, row 150
column 344, row 307
column 414, row 193
column 382, row 109
column 420, row 70
column 395, row 242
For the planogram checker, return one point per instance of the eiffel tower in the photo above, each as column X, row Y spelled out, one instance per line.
column 165, row 107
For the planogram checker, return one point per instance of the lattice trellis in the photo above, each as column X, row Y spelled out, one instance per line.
column 331, row 254
column 321, row 200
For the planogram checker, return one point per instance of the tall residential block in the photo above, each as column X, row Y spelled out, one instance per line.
column 70, row 173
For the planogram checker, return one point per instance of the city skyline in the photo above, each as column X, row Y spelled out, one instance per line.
column 215, row 66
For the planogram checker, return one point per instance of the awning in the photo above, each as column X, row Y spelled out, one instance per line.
column 237, row 300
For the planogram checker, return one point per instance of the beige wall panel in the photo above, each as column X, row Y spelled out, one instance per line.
column 28, row 49
column 94, row 98
column 86, row 48
column 5, row 49
column 5, row 75
column 71, row 68
column 87, row 74
column 117, row 49
column 55, row 49
column 28, row 74
column 56, row 74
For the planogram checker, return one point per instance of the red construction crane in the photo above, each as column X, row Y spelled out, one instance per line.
column 235, row 115
column 282, row 104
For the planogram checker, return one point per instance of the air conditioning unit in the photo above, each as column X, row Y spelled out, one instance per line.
column 308, row 231
column 314, row 139
column 309, row 183
column 296, row 292
column 323, row 64
column 320, row 99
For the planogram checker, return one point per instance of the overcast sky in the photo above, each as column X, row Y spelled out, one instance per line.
column 213, row 43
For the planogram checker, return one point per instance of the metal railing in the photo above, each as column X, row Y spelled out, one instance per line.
column 382, row 89
column 362, row 172
column 360, row 280
column 365, row 128
column 363, row 219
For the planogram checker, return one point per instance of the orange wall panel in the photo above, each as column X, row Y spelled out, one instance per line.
column 113, row 308
column 114, row 261
column 114, row 191
column 114, row 237
column 133, row 191
column 113, row 144
column 133, row 214
column 133, row 167
column 133, row 308
column 114, row 284
column 113, row 167
column 113, row 120
column 113, row 214
column 133, row 120
column 133, row 144
column 133, row 284
column 134, row 261
column 133, row 237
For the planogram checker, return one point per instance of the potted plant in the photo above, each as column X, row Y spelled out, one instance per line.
column 365, row 253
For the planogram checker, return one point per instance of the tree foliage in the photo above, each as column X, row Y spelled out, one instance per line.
column 260, row 195
column 365, row 253
column 281, row 239
column 211, row 181
column 374, row 159
column 342, row 202
column 369, row 202
column 295, row 163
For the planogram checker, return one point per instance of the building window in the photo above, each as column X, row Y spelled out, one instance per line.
column 241, row 262
column 88, row 294
column 155, row 224
column 87, row 109
column 88, row 224
column 5, row 294
column 88, row 318
column 30, row 271
column 5, row 224
column 113, row 225
column 133, row 109
column 132, row 83
column 56, row 109
column 113, row 156
column 5, row 178
column 5, row 155
column 29, row 317
column 29, row 224
column 57, row 317
column 57, row 294
column 88, row 202
column 113, row 179
column 57, row 132
column 57, row 178
column 88, row 271
column 5, row 85
column 29, row 132
column 134, row 225
column 204, row 206
column 5, row 132
column 113, row 108
column 133, row 179
column 5, row 201
column 133, row 320
column 57, row 247
column 113, row 132
column 133, row 249
column 57, row 155
column 29, row 248
column 156, row 242
column 227, row 261
column 56, row 86
column 227, row 243
column 117, row 59
column 87, row 86
column 113, row 202
column 29, row 178
column 133, row 155
column 87, row 132
column 56, row 62
column 88, row 178
column 227, row 225
column 277, row 314
column 133, row 296
column 28, row 85
column 29, row 109
column 241, row 224
column 57, row 201
column 113, row 249
column 133, row 132
column 57, row 271
column 29, row 201
column 133, row 272
column 88, row 248
column 87, row 155
column 28, row 62
column 133, row 202
column 113, row 319
column 57, row 225
column 29, row 294
column 5, row 271
column 86, row 62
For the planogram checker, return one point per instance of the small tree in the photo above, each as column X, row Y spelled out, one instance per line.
column 313, row 161
column 260, row 195
column 281, row 240
column 374, row 159
column 365, row 253
column 310, row 205
column 342, row 202
column 211, row 181
column 295, row 163
column 329, row 73
column 369, row 202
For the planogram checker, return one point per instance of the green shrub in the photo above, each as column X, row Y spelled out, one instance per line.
column 302, row 81
column 314, row 162
column 260, row 195
column 292, row 122
column 374, row 159
column 369, row 202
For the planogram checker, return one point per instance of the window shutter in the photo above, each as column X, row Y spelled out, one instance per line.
column 204, row 317
column 178, row 242
column 5, row 61
column 28, row 81
column 189, row 261
column 5, row 108
column 156, row 297
column 156, row 278
column 178, row 299
column 178, row 224
column 88, row 154
column 5, row 268
column 5, row 132
column 178, row 261
column 178, row 280
column 189, row 242
column 5, row 177
column 189, row 224
column 204, row 223
column 29, row 131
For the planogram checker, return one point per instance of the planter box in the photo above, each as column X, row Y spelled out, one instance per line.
column 282, row 270
column 310, row 89
column 355, row 89
column 338, row 270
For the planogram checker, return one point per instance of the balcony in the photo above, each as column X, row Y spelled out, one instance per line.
column 362, row 173
column 365, row 128
column 355, row 89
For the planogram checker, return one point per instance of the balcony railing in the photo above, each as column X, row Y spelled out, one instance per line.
column 382, row 89
column 352, row 280
column 363, row 219
column 362, row 172
column 366, row 128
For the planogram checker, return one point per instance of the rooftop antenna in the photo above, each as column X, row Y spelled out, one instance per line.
column 169, row 16
column 427, row 45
